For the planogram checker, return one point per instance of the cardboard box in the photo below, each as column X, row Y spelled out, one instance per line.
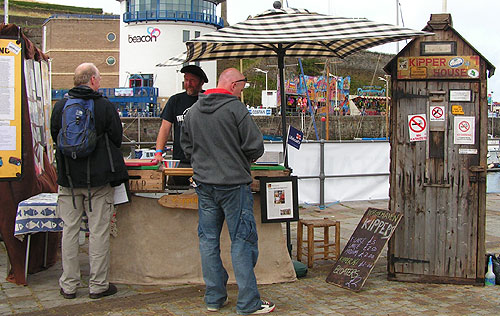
column 146, row 181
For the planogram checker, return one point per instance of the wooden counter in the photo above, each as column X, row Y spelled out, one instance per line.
column 159, row 245
column 154, row 180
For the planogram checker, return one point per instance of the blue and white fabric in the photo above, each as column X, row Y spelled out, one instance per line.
column 38, row 214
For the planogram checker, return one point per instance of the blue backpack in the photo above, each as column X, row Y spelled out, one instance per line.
column 77, row 137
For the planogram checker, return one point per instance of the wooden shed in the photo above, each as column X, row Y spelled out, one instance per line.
column 438, row 136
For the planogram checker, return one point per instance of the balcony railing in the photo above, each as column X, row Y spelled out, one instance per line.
column 171, row 15
column 137, row 94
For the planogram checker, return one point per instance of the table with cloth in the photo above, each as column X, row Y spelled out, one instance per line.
column 38, row 214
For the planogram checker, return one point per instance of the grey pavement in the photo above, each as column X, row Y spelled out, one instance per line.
column 310, row 295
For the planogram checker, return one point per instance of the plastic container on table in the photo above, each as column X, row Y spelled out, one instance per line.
column 171, row 163
column 141, row 164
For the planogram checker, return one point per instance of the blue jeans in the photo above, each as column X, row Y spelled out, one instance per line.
column 235, row 204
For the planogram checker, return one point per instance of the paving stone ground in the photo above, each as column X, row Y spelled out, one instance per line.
column 310, row 295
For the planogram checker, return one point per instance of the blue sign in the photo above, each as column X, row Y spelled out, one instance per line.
column 260, row 111
column 294, row 137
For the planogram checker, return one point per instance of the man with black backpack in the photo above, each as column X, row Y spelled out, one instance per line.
column 88, row 133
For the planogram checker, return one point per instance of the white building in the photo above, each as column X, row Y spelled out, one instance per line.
column 151, row 31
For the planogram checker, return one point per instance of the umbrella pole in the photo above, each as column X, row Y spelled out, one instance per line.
column 281, row 69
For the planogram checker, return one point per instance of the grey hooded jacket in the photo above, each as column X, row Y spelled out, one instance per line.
column 221, row 139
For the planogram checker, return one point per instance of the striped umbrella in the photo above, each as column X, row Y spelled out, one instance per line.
column 292, row 33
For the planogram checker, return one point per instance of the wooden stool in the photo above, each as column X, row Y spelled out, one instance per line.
column 326, row 223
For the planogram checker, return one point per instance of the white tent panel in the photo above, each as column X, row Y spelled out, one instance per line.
column 360, row 170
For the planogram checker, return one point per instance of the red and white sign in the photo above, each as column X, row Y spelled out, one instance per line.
column 464, row 130
column 437, row 113
column 417, row 126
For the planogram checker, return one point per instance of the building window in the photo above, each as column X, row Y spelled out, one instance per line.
column 110, row 61
column 141, row 80
column 196, row 34
column 185, row 36
column 203, row 11
column 111, row 37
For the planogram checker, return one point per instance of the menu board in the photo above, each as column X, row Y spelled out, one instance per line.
column 10, row 108
column 363, row 248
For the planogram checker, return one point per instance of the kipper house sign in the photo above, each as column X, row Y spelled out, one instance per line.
column 438, row 67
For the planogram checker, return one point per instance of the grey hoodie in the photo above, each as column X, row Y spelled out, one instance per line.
column 221, row 139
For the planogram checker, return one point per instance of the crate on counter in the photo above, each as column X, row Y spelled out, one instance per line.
column 146, row 181
column 145, row 176
column 266, row 171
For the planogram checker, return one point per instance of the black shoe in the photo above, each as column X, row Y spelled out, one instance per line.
column 110, row 291
column 66, row 295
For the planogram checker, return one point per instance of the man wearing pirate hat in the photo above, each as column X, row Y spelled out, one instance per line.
column 173, row 114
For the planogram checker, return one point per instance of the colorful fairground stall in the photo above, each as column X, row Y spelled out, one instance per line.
column 320, row 91
column 371, row 100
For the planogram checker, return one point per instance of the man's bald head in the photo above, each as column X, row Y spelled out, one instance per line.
column 87, row 74
column 232, row 80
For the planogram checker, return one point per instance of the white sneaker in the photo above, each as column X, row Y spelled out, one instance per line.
column 216, row 309
column 265, row 307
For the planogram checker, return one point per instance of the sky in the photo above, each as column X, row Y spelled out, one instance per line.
column 474, row 20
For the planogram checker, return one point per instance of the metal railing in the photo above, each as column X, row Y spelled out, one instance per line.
column 151, row 93
column 171, row 15
column 82, row 16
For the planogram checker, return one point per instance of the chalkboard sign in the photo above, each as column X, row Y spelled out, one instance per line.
column 363, row 248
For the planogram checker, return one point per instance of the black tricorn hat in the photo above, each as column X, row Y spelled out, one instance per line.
column 195, row 70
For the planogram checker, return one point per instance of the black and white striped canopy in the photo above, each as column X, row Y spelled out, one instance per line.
column 292, row 33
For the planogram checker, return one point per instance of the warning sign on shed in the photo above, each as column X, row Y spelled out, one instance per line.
column 417, row 126
column 464, row 127
column 437, row 113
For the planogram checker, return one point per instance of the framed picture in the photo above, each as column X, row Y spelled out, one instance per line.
column 279, row 200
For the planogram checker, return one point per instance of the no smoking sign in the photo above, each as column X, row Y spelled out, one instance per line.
column 437, row 113
column 417, row 127
column 464, row 127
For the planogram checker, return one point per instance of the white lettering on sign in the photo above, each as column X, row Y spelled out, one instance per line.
column 260, row 112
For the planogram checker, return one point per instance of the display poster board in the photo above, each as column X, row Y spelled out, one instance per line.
column 11, row 78
column 279, row 199
column 47, row 108
column 363, row 248
column 36, row 84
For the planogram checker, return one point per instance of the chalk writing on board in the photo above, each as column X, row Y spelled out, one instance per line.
column 363, row 248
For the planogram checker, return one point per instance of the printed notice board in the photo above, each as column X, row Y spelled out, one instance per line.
column 11, row 51
column 363, row 248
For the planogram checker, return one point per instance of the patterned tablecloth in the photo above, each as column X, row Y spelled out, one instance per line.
column 38, row 214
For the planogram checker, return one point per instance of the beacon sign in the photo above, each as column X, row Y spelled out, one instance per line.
column 152, row 35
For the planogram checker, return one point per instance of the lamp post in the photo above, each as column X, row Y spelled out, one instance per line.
column 386, row 80
column 264, row 72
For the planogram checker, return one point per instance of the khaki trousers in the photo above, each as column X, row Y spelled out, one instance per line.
column 99, row 226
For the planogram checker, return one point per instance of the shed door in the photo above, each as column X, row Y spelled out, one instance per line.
column 435, row 182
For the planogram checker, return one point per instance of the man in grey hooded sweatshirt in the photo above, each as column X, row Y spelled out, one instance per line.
column 221, row 140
